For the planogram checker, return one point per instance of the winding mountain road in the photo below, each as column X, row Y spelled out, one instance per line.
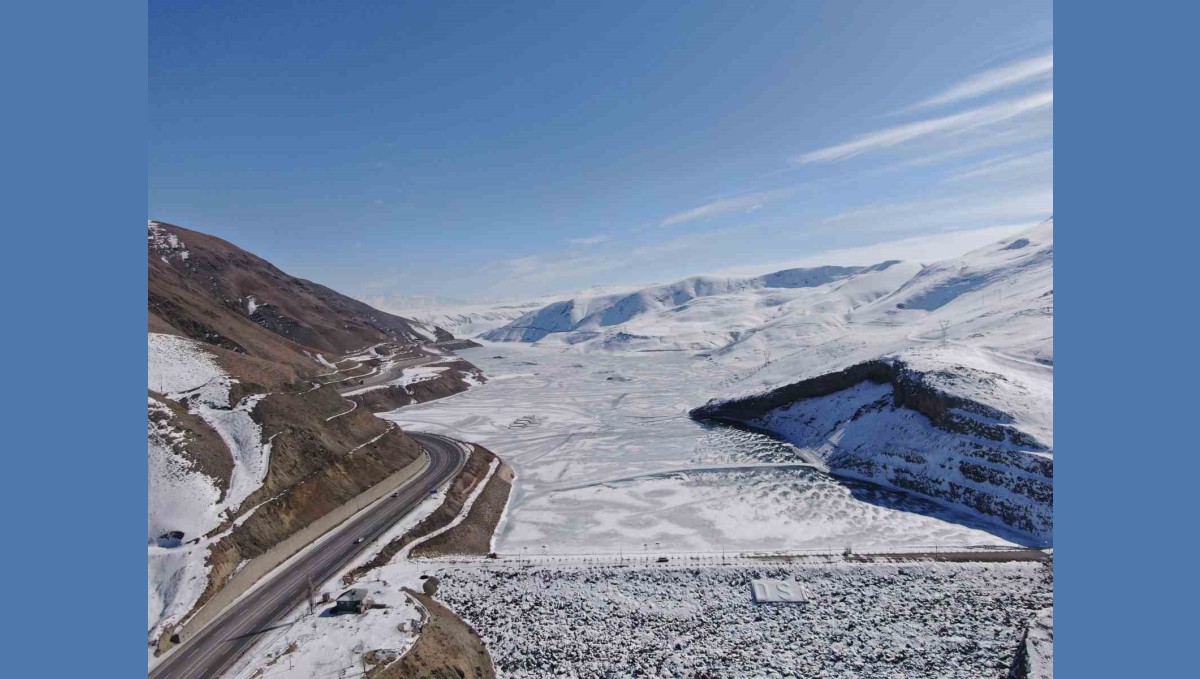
column 214, row 649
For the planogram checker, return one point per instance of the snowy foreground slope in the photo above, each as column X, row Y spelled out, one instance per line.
column 860, row 620
column 935, row 380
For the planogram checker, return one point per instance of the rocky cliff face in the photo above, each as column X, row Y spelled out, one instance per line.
column 884, row 422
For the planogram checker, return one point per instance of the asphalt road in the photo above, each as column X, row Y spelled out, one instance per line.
column 215, row 648
column 384, row 376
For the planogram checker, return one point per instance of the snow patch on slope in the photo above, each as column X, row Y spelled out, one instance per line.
column 407, row 377
column 179, row 496
column 183, row 371
column 166, row 244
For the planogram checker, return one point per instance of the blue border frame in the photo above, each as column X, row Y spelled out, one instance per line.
column 1126, row 213
column 75, row 197
column 1125, row 194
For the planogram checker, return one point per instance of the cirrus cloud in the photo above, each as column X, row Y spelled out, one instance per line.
column 1010, row 75
column 745, row 202
column 983, row 116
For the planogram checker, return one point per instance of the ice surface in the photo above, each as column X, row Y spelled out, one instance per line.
column 607, row 459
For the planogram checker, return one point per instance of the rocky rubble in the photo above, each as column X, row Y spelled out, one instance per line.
column 876, row 620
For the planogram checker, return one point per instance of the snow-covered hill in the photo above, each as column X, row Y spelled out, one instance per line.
column 707, row 312
column 470, row 320
column 942, row 387
column 996, row 302
column 991, row 310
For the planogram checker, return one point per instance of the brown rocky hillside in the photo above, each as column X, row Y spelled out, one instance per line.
column 203, row 287
column 285, row 343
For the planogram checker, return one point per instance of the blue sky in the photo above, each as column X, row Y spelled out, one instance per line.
column 508, row 150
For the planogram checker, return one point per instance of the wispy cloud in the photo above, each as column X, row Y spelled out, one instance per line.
column 1019, row 134
column 886, row 211
column 1038, row 160
column 1010, row 75
column 982, row 116
column 964, row 210
column 590, row 240
column 745, row 202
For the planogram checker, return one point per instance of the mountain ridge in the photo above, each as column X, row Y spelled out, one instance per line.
column 192, row 272
column 696, row 301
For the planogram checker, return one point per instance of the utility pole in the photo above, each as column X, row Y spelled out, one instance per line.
column 945, row 326
column 311, row 593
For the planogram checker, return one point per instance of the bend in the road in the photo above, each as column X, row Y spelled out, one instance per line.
column 218, row 645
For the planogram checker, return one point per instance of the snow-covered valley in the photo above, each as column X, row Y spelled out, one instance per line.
column 607, row 459
column 932, row 380
column 461, row 319
column 828, row 414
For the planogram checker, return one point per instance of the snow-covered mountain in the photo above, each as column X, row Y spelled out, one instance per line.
column 706, row 312
column 469, row 320
column 1000, row 296
column 994, row 305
